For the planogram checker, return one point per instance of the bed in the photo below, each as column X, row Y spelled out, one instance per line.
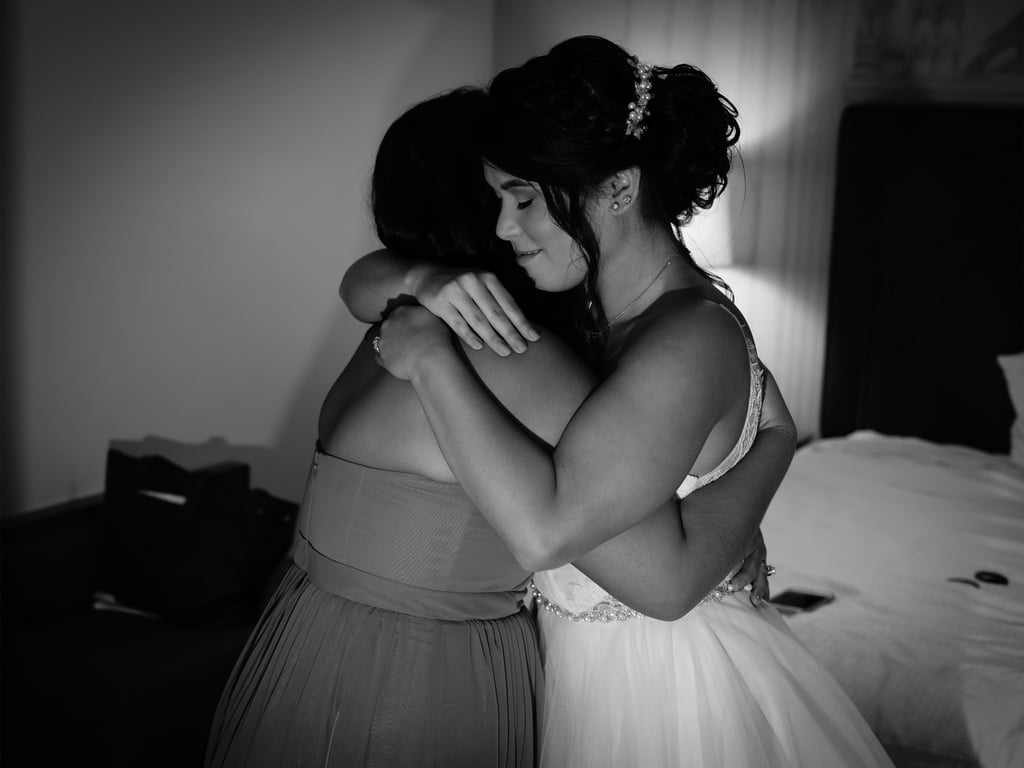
column 910, row 508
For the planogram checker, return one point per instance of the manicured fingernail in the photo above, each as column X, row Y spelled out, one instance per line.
column 532, row 335
column 520, row 348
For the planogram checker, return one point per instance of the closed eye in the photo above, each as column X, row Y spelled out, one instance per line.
column 524, row 204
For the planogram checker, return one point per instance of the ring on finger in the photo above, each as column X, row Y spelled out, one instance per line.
column 376, row 345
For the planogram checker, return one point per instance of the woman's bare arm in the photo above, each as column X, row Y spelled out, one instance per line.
column 647, row 569
column 654, row 567
column 372, row 282
column 621, row 455
column 473, row 303
column 641, row 567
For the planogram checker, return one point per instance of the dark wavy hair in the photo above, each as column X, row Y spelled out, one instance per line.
column 559, row 120
column 426, row 193
column 429, row 199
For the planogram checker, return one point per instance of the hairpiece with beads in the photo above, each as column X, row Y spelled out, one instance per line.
column 638, row 109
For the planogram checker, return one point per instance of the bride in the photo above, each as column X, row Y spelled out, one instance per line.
column 594, row 158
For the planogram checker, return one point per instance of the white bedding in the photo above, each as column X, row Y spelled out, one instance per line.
column 937, row 667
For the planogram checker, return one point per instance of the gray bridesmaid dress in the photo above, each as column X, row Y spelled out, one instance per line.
column 396, row 638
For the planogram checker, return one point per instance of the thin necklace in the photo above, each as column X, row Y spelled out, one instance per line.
column 622, row 311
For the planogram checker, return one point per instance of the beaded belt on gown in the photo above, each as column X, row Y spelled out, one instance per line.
column 609, row 609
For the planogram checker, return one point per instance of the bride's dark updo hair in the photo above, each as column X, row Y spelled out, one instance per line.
column 559, row 120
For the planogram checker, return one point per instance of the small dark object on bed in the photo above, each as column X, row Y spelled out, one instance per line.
column 991, row 577
column 800, row 601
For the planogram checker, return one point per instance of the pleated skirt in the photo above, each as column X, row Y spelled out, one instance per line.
column 326, row 681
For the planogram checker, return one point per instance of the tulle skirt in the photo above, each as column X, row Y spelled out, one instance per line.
column 325, row 681
column 726, row 686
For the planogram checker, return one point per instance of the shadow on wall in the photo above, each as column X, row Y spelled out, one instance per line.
column 285, row 464
column 9, row 468
column 258, row 255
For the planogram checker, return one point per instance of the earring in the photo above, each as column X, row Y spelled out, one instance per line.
column 627, row 199
column 615, row 206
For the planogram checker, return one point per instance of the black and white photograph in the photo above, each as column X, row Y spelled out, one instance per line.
column 493, row 384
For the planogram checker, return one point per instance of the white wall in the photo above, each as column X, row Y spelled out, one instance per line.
column 190, row 187
column 190, row 181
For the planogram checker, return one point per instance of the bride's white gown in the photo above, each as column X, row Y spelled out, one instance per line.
column 726, row 686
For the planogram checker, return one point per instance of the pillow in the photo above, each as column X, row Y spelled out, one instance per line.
column 1013, row 370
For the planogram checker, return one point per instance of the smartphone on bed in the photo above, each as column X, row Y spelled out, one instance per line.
column 802, row 600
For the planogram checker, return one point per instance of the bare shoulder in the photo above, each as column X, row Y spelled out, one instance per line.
column 541, row 387
column 687, row 327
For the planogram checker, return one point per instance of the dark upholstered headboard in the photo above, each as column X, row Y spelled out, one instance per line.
column 927, row 272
